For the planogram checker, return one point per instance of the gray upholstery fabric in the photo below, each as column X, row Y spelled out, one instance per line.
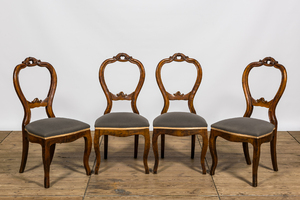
column 55, row 126
column 245, row 126
column 121, row 120
column 179, row 119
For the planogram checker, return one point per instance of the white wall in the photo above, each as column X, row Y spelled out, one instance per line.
column 77, row 36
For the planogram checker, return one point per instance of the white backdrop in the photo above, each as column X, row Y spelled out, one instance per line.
column 77, row 36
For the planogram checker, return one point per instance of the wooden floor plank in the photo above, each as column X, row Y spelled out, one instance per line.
column 3, row 134
column 122, row 177
column 295, row 134
column 67, row 174
column 234, row 177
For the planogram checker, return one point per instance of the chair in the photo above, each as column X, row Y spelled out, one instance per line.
column 121, row 124
column 179, row 123
column 47, row 132
column 250, row 130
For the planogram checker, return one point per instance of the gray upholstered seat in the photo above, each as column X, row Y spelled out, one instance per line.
column 179, row 120
column 245, row 126
column 121, row 120
column 51, row 127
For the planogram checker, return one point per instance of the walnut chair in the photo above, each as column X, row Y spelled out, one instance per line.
column 179, row 123
column 250, row 130
column 121, row 124
column 47, row 132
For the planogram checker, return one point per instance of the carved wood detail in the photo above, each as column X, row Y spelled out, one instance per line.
column 121, row 96
column 268, row 61
column 245, row 139
column 48, row 144
column 121, row 57
column 38, row 103
column 261, row 102
column 36, row 100
column 27, row 105
column 31, row 61
column 178, row 57
column 178, row 96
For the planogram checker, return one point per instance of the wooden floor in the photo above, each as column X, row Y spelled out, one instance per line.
column 122, row 177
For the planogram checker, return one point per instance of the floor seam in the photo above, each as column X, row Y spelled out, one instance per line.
column 6, row 137
column 91, row 172
column 209, row 173
column 293, row 137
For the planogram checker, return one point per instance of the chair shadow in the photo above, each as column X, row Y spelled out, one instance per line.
column 139, row 167
column 237, row 159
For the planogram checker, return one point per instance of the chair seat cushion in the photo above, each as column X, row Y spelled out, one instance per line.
column 121, row 120
column 51, row 127
column 179, row 120
column 245, row 126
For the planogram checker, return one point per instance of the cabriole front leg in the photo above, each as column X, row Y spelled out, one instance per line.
column 203, row 152
column 146, row 151
column 24, row 153
column 213, row 152
column 256, row 156
column 46, row 162
column 97, row 150
column 273, row 152
column 87, row 152
column 246, row 153
column 155, row 151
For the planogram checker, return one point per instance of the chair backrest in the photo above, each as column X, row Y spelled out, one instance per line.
column 28, row 105
column 121, row 57
column 271, row 105
column 178, row 57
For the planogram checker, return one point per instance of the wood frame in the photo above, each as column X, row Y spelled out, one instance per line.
column 122, row 132
column 48, row 144
column 179, row 57
column 255, row 141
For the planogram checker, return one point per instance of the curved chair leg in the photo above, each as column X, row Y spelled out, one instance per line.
column 24, row 153
column 273, row 152
column 105, row 146
column 256, row 156
column 162, row 148
column 213, row 152
column 155, row 151
column 203, row 152
column 246, row 153
column 193, row 147
column 97, row 150
column 52, row 150
column 136, row 145
column 46, row 162
column 146, row 151
column 87, row 152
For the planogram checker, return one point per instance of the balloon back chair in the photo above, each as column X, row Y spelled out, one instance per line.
column 47, row 132
column 179, row 123
column 250, row 130
column 121, row 124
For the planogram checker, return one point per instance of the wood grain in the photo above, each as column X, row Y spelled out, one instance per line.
column 122, row 178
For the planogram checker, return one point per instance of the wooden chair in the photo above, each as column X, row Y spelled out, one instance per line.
column 47, row 132
column 121, row 124
column 250, row 130
column 179, row 123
